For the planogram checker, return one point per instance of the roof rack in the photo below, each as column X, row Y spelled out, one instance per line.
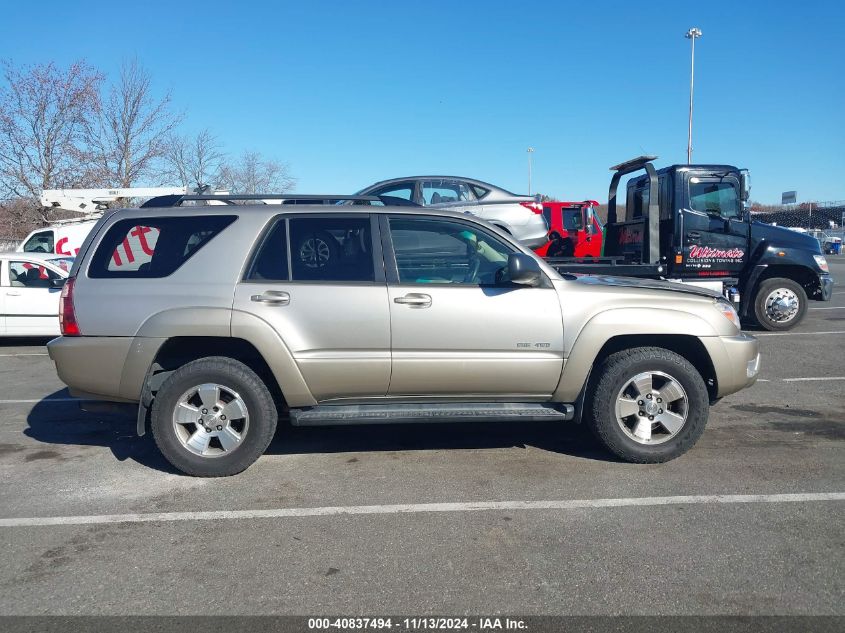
column 274, row 198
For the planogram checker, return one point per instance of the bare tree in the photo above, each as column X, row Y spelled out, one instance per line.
column 131, row 134
column 194, row 160
column 252, row 173
column 18, row 217
column 44, row 113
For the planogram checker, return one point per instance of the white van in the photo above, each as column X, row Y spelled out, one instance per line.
column 61, row 239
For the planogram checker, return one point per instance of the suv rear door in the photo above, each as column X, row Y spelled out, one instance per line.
column 318, row 280
column 456, row 332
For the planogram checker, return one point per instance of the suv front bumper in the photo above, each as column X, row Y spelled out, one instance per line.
column 736, row 360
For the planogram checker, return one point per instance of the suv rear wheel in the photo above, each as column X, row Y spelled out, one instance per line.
column 213, row 417
column 647, row 404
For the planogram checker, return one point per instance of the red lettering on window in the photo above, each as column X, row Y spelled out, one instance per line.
column 140, row 232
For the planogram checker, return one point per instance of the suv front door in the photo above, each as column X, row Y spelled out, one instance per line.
column 318, row 280
column 458, row 329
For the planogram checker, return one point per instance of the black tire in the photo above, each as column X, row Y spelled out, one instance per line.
column 762, row 315
column 609, row 378
column 233, row 375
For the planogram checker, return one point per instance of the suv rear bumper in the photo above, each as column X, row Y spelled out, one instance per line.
column 104, row 367
column 736, row 360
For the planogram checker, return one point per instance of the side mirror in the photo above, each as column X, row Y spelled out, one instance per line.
column 523, row 270
column 745, row 185
column 58, row 283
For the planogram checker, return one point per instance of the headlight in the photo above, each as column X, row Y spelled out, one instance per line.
column 728, row 312
column 821, row 262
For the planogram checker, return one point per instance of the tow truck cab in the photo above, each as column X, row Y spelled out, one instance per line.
column 575, row 229
column 692, row 224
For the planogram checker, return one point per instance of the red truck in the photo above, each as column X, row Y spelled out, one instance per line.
column 574, row 230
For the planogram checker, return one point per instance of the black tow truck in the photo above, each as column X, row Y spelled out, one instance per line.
column 692, row 224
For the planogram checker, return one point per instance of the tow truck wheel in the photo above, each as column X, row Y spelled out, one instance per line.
column 780, row 304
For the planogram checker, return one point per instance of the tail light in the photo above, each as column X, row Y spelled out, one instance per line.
column 67, row 316
column 536, row 207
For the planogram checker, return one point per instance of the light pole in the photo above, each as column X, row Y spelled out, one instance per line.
column 530, row 151
column 691, row 35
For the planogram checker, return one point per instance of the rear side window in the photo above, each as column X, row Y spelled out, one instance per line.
column 330, row 249
column 479, row 192
column 147, row 248
column 271, row 261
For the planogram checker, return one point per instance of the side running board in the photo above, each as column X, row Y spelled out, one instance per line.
column 331, row 415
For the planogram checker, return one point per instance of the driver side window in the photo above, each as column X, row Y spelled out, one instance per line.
column 439, row 251
column 714, row 197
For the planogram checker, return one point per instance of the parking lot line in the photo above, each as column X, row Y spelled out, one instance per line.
column 814, row 379
column 830, row 308
column 795, row 333
column 417, row 508
column 26, row 354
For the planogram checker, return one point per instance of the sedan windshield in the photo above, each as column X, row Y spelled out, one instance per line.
column 65, row 263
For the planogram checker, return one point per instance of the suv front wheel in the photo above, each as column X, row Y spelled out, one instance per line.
column 213, row 417
column 647, row 404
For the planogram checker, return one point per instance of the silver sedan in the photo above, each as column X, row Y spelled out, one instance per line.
column 520, row 216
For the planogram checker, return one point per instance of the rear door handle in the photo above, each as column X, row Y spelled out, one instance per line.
column 13, row 293
column 272, row 297
column 415, row 300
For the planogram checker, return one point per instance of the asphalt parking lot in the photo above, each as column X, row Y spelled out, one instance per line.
column 339, row 521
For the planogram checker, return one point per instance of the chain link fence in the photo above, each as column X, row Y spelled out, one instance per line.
column 8, row 244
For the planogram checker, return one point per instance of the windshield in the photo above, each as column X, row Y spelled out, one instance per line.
column 65, row 263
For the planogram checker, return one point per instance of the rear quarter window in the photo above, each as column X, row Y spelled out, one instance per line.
column 153, row 247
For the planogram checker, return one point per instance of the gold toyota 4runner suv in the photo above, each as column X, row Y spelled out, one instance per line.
column 216, row 320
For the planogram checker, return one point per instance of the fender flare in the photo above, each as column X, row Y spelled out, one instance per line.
column 610, row 324
column 211, row 322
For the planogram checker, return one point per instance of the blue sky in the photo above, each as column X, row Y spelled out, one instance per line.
column 353, row 92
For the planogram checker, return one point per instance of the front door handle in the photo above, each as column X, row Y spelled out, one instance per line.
column 415, row 300
column 13, row 293
column 694, row 235
column 272, row 297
